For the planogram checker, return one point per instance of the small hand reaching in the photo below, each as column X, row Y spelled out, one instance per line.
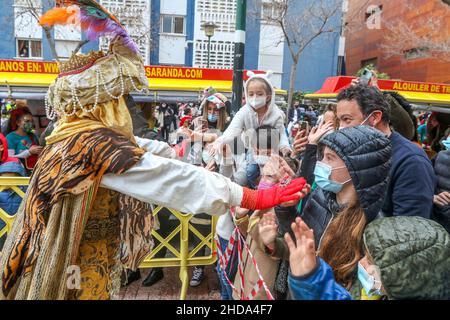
column 282, row 166
column 302, row 258
column 187, row 132
column 318, row 132
column 215, row 149
column 36, row 150
column 268, row 230
column 211, row 166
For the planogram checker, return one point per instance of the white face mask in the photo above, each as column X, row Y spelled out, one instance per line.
column 362, row 123
column 365, row 120
column 206, row 157
column 257, row 102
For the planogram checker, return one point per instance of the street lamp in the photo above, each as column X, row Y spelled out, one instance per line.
column 209, row 27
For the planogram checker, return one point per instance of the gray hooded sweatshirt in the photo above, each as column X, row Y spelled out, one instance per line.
column 247, row 118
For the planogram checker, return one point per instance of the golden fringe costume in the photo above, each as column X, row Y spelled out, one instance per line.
column 69, row 219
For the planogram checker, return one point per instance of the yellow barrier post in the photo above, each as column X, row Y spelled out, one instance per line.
column 14, row 184
column 184, row 253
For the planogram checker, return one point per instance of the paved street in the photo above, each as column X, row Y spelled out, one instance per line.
column 169, row 287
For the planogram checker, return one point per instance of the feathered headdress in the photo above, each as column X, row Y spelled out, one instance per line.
column 93, row 19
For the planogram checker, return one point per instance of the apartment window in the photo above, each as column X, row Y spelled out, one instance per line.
column 373, row 61
column 29, row 48
column 272, row 11
column 222, row 54
column 417, row 53
column 135, row 16
column 172, row 24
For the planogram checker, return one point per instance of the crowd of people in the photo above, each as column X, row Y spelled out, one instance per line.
column 375, row 200
column 342, row 203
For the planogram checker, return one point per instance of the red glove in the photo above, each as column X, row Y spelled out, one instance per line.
column 269, row 198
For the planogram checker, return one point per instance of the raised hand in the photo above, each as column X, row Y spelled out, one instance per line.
column 318, row 132
column 211, row 166
column 215, row 149
column 300, row 141
column 283, row 168
column 268, row 229
column 187, row 132
column 302, row 258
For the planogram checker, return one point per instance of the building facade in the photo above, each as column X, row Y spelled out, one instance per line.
column 368, row 26
column 170, row 32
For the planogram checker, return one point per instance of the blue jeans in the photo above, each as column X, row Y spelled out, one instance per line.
column 226, row 292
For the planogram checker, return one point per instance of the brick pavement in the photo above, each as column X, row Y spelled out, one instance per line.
column 169, row 287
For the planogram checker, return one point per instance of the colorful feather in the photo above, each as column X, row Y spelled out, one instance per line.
column 57, row 16
column 93, row 19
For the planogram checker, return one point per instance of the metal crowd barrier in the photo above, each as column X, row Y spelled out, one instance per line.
column 183, row 258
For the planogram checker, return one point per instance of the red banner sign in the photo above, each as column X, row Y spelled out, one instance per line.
column 336, row 84
column 28, row 66
column 163, row 72
column 414, row 86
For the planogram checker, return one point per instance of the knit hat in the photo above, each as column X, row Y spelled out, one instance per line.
column 412, row 255
column 366, row 153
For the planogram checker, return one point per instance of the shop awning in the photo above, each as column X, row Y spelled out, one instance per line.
column 21, row 76
column 420, row 93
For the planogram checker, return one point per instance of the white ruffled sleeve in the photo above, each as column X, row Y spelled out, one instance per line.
column 177, row 185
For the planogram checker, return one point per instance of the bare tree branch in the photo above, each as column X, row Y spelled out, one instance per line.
column 301, row 23
column 428, row 37
column 80, row 45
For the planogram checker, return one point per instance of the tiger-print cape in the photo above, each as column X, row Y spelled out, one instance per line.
column 66, row 177
column 136, row 225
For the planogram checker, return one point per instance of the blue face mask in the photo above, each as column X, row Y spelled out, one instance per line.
column 323, row 173
column 446, row 143
column 368, row 282
column 212, row 117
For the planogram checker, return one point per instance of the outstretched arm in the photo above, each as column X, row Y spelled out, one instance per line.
column 177, row 185
column 157, row 148
column 192, row 189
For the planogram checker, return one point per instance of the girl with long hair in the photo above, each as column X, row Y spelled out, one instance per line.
column 351, row 180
